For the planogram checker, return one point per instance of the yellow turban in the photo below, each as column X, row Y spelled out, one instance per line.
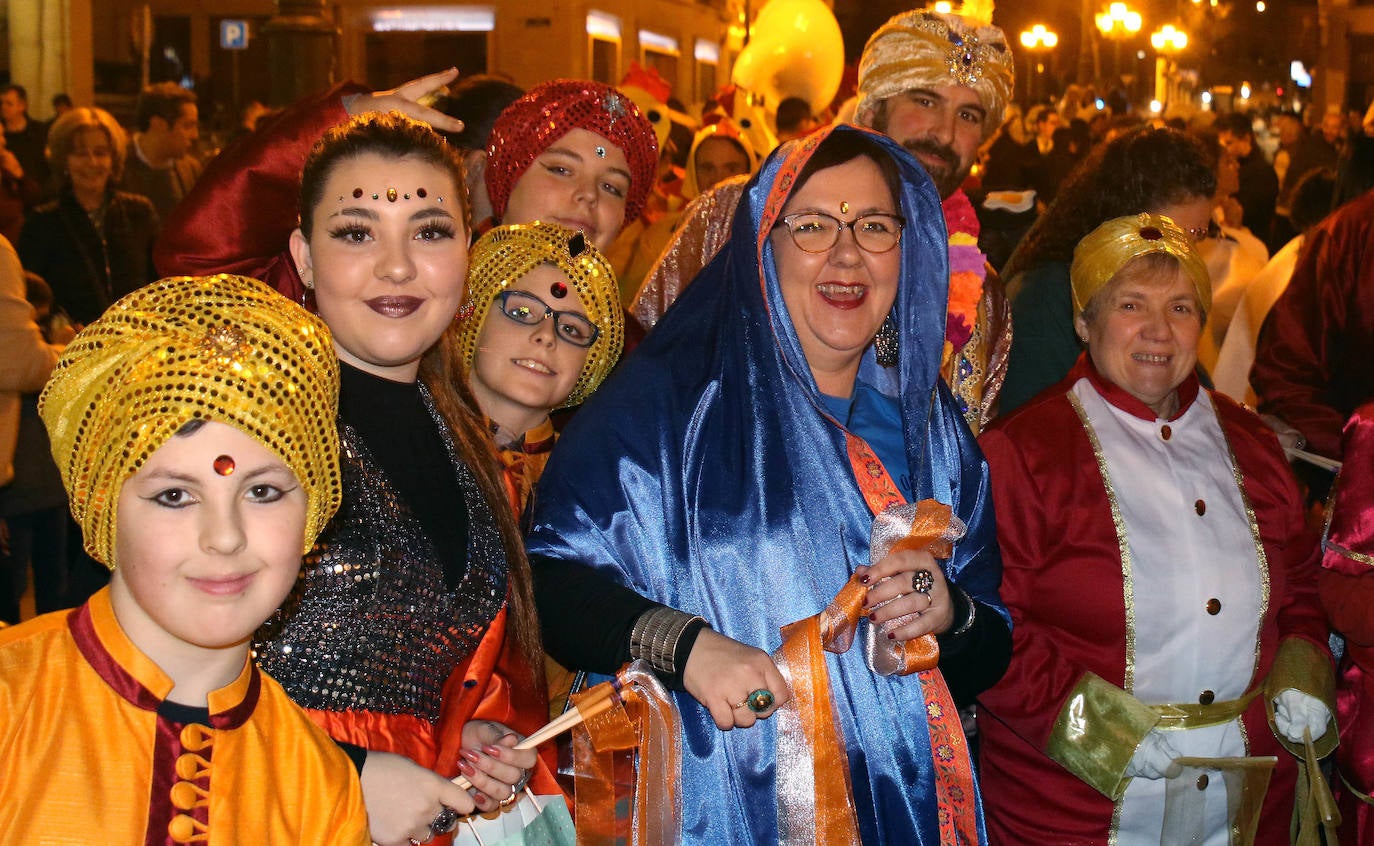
column 1107, row 249
column 922, row 49
column 222, row 348
column 505, row 254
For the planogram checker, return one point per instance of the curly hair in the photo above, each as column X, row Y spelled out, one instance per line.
column 1135, row 173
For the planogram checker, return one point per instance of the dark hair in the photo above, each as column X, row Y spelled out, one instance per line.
column 1312, row 198
column 61, row 100
column 791, row 113
column 841, row 147
column 37, row 291
column 190, row 427
column 1137, row 172
column 17, row 89
column 476, row 101
column 162, row 99
column 391, row 135
column 394, row 135
column 1236, row 123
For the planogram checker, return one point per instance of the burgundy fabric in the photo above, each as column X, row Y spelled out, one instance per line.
column 1312, row 360
column 1061, row 579
column 1347, row 591
column 246, row 201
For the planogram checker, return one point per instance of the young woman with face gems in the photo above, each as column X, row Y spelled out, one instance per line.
column 424, row 555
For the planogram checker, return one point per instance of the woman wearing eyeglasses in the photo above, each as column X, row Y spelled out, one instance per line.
column 540, row 327
column 732, row 469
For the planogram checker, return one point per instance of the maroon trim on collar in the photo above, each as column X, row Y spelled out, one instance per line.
column 1120, row 398
column 239, row 714
column 104, row 664
column 537, row 447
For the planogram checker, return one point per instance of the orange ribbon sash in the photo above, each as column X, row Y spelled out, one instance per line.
column 813, row 805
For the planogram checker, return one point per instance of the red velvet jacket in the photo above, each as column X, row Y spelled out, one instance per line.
column 1061, row 580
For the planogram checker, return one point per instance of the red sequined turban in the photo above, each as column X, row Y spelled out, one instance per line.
column 546, row 113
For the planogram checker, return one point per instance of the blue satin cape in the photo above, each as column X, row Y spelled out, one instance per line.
column 707, row 475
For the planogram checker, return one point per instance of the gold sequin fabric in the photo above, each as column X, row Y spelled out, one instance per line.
column 222, row 348
column 1109, row 247
column 505, row 254
column 547, row 112
column 371, row 624
column 923, row 49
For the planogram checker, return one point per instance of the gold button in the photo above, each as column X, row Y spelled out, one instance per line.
column 1165, row 432
column 1200, row 507
column 1214, row 606
column 1202, row 782
column 1206, row 698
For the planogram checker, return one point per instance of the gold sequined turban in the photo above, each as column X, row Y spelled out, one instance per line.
column 505, row 254
column 1109, row 247
column 923, row 49
column 221, row 348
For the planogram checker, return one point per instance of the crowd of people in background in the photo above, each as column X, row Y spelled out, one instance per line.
column 880, row 319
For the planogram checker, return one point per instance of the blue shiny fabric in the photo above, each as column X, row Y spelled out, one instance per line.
column 707, row 475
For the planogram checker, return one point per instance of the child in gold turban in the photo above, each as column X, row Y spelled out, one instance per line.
column 539, row 330
column 193, row 425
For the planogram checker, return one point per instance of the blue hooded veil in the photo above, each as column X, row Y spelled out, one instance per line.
column 707, row 475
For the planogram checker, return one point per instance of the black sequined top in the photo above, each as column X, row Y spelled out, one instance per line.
column 373, row 624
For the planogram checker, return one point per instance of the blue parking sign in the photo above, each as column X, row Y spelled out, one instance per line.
column 233, row 35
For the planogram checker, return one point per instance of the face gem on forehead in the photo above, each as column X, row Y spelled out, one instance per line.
column 391, row 195
column 844, row 207
column 357, row 193
column 224, row 465
column 559, row 290
column 600, row 152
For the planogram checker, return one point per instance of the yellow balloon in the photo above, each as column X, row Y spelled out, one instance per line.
column 795, row 50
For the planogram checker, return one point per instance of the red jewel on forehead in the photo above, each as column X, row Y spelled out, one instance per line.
column 1151, row 233
column 421, row 193
column 559, row 290
column 357, row 193
column 224, row 465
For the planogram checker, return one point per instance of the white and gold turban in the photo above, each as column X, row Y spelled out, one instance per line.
column 922, row 49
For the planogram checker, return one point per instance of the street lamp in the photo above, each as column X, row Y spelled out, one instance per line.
column 1117, row 23
column 1036, row 39
column 1167, row 42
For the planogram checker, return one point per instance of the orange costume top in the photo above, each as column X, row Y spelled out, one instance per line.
column 89, row 743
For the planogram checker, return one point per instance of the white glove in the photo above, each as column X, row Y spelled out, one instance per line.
column 1295, row 711
column 1154, row 758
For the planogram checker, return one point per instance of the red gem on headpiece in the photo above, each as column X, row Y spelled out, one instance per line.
column 357, row 193
column 559, row 290
column 224, row 465
column 1151, row 233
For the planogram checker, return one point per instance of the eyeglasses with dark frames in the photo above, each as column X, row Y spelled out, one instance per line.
column 818, row 232
column 529, row 310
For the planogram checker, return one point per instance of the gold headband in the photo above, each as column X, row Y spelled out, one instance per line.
column 1109, row 247
column 221, row 348
column 505, row 254
column 923, row 49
